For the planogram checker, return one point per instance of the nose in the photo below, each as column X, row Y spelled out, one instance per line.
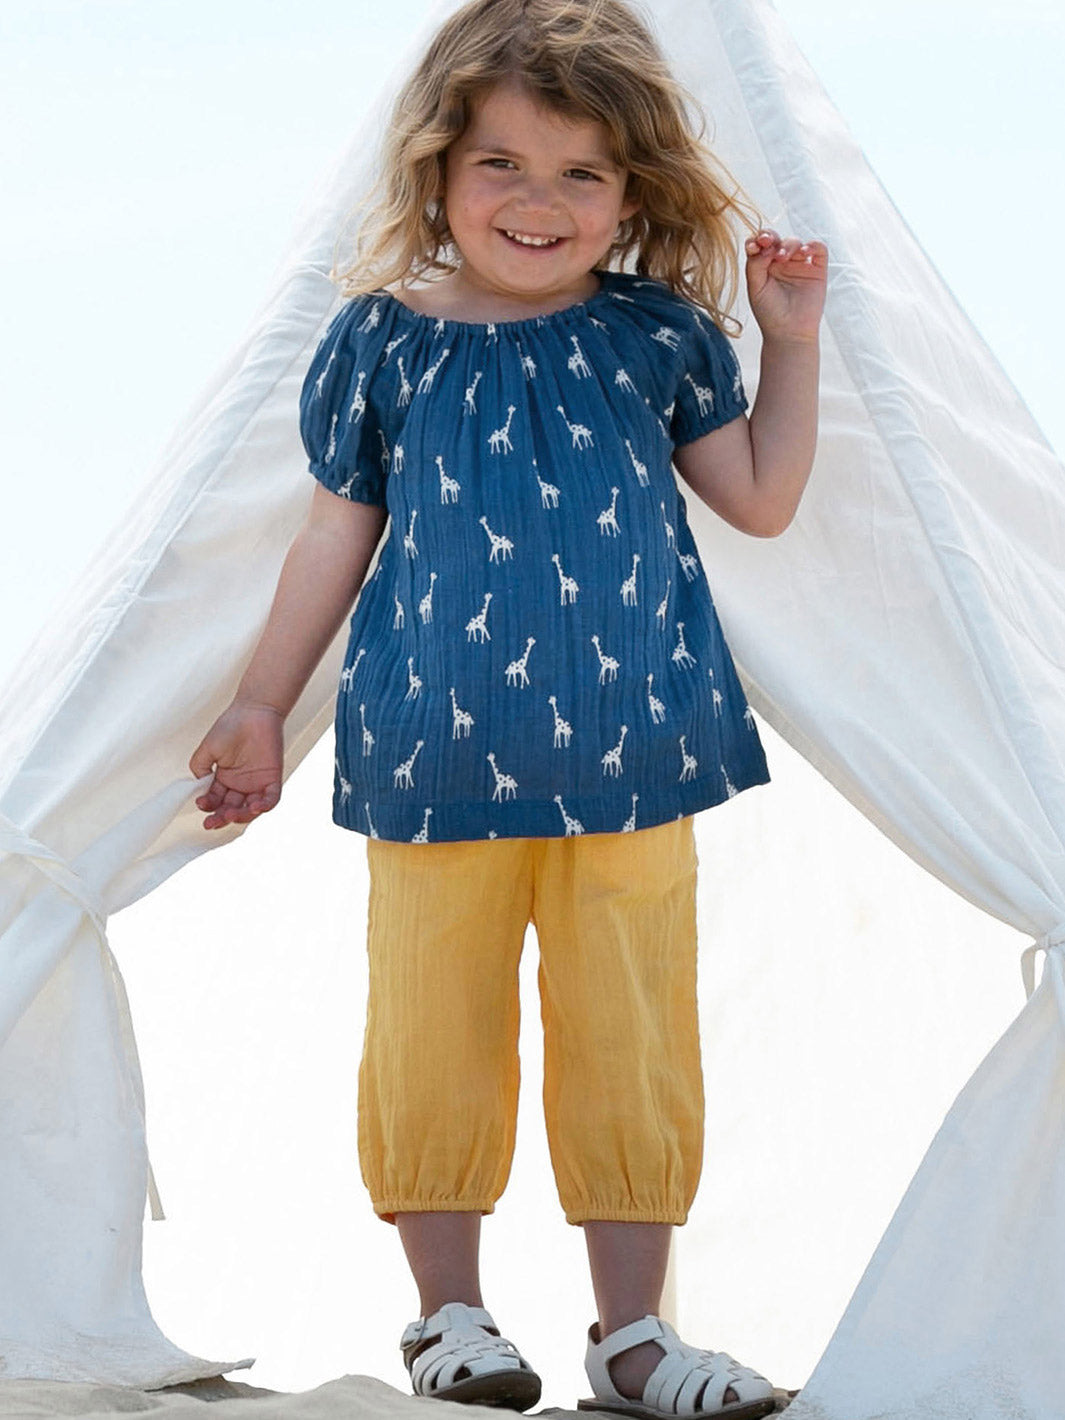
column 536, row 195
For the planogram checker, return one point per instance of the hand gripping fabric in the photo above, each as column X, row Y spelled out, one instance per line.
column 686, row 1382
column 467, row 1360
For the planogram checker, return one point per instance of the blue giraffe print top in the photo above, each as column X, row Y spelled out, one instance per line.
column 537, row 653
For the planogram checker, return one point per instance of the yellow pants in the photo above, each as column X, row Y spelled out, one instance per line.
column 438, row 1085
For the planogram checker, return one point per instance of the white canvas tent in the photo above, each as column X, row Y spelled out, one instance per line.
column 951, row 579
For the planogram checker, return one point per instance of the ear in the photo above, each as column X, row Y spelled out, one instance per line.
column 629, row 208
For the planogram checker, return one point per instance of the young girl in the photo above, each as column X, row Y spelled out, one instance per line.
column 537, row 696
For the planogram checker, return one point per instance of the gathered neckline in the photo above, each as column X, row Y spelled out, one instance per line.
column 522, row 323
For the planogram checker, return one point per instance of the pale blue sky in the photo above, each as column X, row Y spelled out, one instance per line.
column 156, row 153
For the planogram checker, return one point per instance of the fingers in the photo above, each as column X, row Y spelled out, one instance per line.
column 768, row 248
column 225, row 806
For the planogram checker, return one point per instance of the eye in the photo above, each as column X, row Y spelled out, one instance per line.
column 584, row 173
column 489, row 162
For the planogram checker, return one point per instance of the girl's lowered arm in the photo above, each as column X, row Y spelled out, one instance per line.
column 320, row 578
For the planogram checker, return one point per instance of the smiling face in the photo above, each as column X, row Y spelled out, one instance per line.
column 522, row 171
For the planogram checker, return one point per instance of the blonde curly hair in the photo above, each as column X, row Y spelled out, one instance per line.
column 584, row 59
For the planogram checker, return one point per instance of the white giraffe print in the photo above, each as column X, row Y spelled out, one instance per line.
column 393, row 345
column 640, row 469
column 385, row 456
column 691, row 764
column 499, row 439
column 397, row 461
column 608, row 666
column 611, row 761
column 748, row 718
column 369, row 820
column 658, row 710
column 628, row 587
column 422, row 836
column 670, row 539
column 548, row 492
column 330, row 453
column 624, row 380
column 681, row 655
column 320, row 381
column 730, row 788
column 399, row 619
column 449, row 489
column 506, row 785
column 568, row 588
column 477, row 626
column 599, row 324
column 345, row 787
column 608, row 522
column 347, row 675
column 367, row 737
column 469, row 404
column 425, row 384
column 666, row 335
column 344, row 491
column 660, row 614
column 528, row 364
column 703, row 393
column 425, row 606
column 414, row 682
column 629, row 826
column 577, row 364
column 405, row 389
column 502, row 547
column 516, row 673
column 461, row 720
column 410, row 547
column 358, row 401
column 689, row 565
column 563, row 728
column 580, row 433
column 401, row 775
column 373, row 319
column 573, row 825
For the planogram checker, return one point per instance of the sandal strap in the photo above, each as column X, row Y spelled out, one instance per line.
column 687, row 1381
column 451, row 1315
column 463, row 1345
column 601, row 1353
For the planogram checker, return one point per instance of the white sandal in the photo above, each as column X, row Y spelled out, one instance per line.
column 458, row 1354
column 685, row 1383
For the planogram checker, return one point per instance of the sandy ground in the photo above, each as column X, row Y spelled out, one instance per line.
column 343, row 1399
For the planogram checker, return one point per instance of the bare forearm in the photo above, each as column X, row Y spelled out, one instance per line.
column 784, row 427
column 319, row 581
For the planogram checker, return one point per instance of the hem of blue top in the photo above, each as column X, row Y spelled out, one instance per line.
column 524, row 818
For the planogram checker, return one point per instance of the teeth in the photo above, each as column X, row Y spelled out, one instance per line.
column 532, row 241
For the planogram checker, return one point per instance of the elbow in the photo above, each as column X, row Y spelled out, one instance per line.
column 769, row 522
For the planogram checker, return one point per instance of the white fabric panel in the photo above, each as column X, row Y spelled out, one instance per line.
column 906, row 636
column 903, row 635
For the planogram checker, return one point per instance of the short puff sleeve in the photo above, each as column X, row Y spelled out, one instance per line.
column 339, row 424
column 710, row 390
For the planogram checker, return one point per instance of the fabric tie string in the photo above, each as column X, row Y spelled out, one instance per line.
column 1054, row 938
column 18, row 843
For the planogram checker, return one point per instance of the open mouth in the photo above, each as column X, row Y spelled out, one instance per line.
column 529, row 241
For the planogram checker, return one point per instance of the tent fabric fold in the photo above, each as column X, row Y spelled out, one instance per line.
column 905, row 635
